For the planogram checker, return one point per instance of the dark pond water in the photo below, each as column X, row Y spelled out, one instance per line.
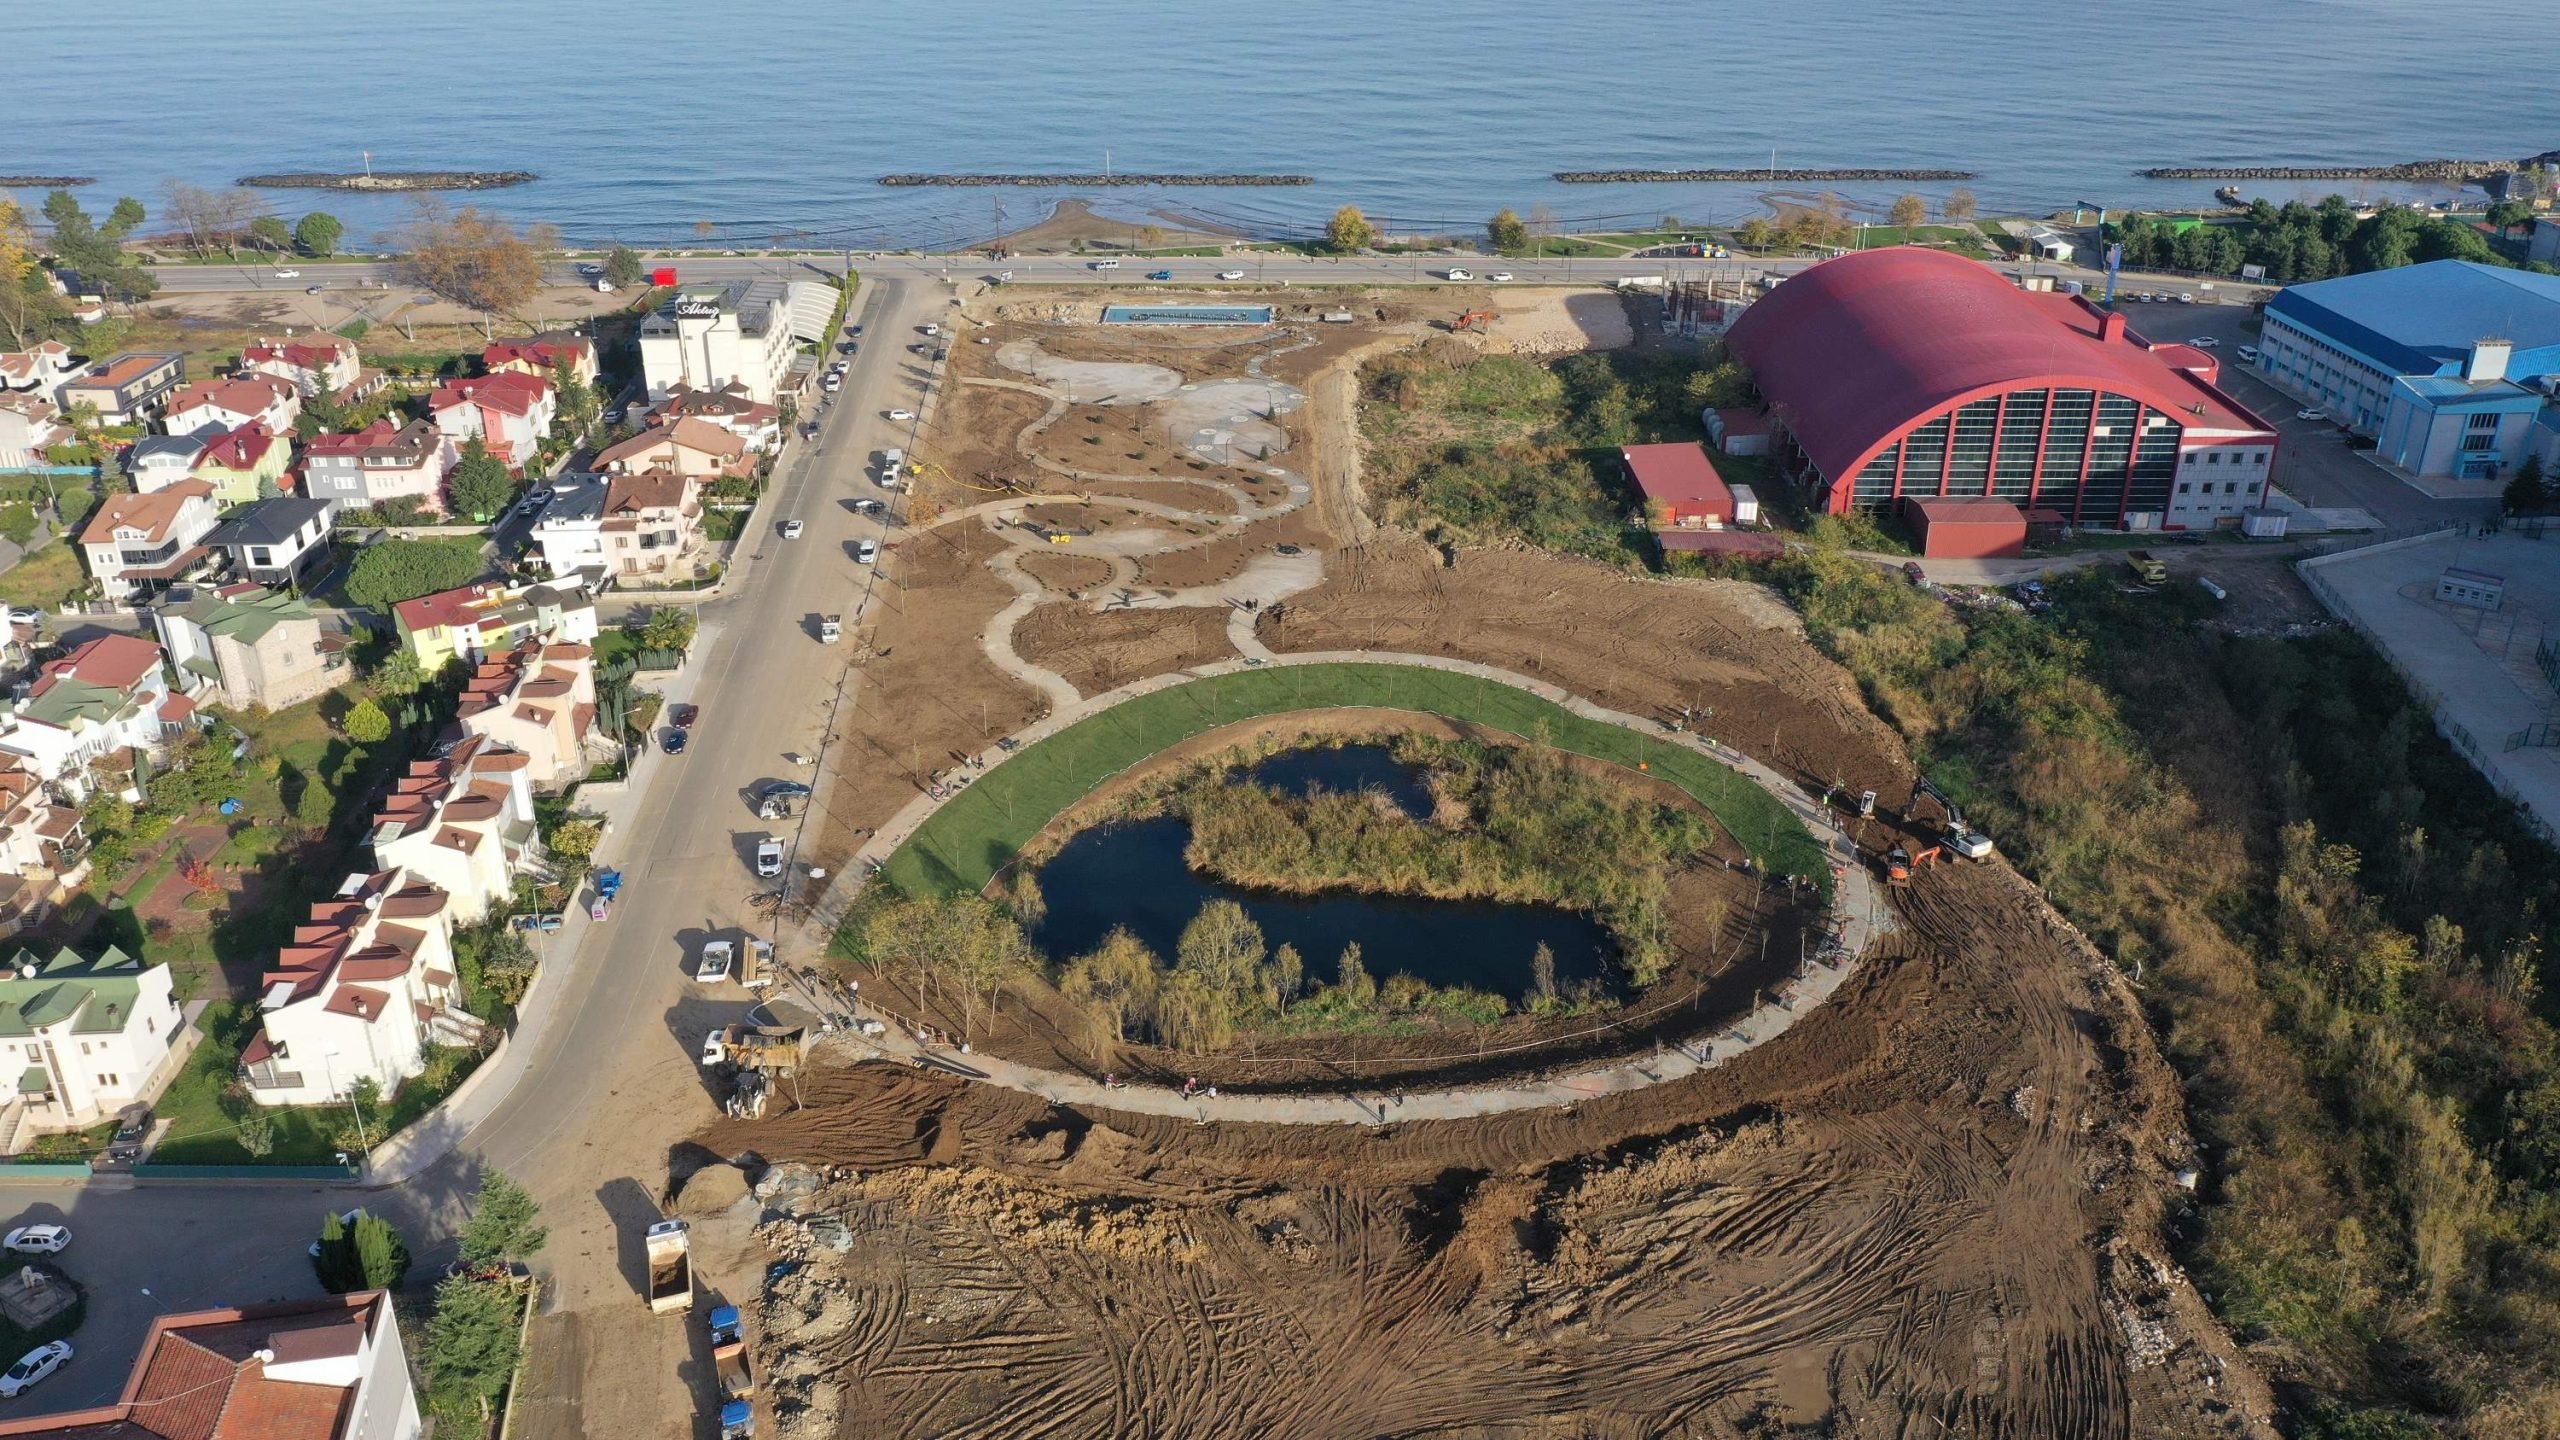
column 1133, row 874
column 1344, row 767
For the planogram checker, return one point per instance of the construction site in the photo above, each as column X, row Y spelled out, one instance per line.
column 1937, row 1204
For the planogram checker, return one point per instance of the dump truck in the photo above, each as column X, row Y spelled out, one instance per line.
column 670, row 1248
column 758, row 1047
column 729, row 1353
column 2148, row 566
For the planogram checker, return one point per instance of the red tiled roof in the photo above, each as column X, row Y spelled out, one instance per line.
column 242, row 395
column 542, row 351
column 700, row 436
column 445, row 607
column 117, row 662
column 239, row 449
column 176, row 709
column 1676, row 471
column 203, row 1376
column 300, row 354
column 648, row 490
column 359, row 1001
column 510, row 392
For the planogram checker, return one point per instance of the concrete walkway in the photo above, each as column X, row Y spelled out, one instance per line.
column 1858, row 918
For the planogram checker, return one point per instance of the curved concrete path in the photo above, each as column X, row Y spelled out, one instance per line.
column 1858, row 918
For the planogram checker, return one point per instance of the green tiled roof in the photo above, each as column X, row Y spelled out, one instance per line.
column 246, row 619
column 69, row 700
column 101, row 993
column 35, row 1081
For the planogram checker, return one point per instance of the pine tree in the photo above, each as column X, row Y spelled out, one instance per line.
column 382, row 1257
column 336, row 1262
column 2526, row 493
column 506, row 1223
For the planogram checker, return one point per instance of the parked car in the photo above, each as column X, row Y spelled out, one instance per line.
column 1230, row 274
column 867, row 553
column 868, row 507
column 791, row 529
column 769, row 856
column 313, row 289
column 2310, row 414
column 2205, row 342
column 674, row 743
column 34, row 1366
column 543, row 924
column 832, row 383
column 902, row 414
column 683, row 716
column 19, row 615
column 38, row 1240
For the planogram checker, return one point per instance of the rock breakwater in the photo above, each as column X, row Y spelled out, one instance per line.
column 1714, row 177
column 2447, row 172
column 45, row 182
column 392, row 180
column 1082, row 182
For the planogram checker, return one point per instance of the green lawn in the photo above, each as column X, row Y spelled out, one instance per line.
column 43, row 578
column 968, row 840
column 202, row 1132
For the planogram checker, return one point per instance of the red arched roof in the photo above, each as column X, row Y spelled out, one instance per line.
column 1855, row 351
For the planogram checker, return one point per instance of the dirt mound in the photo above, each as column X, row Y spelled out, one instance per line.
column 710, row 1192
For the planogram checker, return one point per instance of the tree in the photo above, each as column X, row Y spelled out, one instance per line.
column 1115, row 984
column 1349, row 231
column 1719, row 386
column 1509, row 234
column 1756, row 233
column 1352, row 979
column 1908, row 211
column 2506, row 215
column 382, row 1257
column 579, row 407
column 336, row 1262
column 505, row 1224
column 575, row 841
column 623, row 267
column 1960, row 204
column 97, row 251
column 479, row 485
column 2526, row 493
column 471, row 258
column 271, row 232
column 470, row 1351
column 317, row 234
column 29, row 310
column 213, row 219
column 670, row 627
column 257, row 1132
column 397, row 570
column 366, row 724
column 112, row 479
column 400, row 673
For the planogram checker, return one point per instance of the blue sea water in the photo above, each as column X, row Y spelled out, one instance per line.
column 773, row 118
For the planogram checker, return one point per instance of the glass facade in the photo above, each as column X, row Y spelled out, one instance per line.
column 2090, row 454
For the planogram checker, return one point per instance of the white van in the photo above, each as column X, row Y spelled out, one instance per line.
column 1104, row 265
column 2248, row 354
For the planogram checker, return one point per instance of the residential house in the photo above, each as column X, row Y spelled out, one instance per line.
column 249, row 647
column 326, row 1369
column 488, row 618
column 463, row 824
column 43, row 848
column 651, row 529
column 273, row 542
column 29, row 426
column 88, row 1037
column 730, row 407
column 91, row 708
column 510, row 412
column 229, row 404
column 749, row 331
column 39, row 369
column 358, row 992
column 138, row 543
column 128, row 388
column 242, row 463
column 690, row 447
column 158, row 461
column 317, row 364
column 381, row 463
column 543, row 355
column 570, row 529
column 539, row 699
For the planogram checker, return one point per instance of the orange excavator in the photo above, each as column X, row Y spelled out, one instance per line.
column 1899, row 863
column 1475, row 320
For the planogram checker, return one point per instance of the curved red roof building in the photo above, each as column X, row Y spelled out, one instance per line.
column 1912, row 372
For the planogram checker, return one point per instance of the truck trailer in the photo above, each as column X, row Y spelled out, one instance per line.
column 670, row 1250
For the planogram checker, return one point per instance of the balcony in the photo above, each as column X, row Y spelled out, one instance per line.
column 267, row 1075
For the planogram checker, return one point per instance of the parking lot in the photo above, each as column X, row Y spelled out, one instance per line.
column 2315, row 466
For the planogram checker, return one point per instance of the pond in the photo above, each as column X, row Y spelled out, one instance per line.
column 1134, row 874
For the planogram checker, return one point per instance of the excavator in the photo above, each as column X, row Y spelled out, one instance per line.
column 1477, row 321
column 1964, row 840
column 1899, row 863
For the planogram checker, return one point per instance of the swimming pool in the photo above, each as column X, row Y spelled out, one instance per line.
column 1186, row 314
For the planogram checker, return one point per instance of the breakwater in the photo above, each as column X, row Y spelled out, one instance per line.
column 1718, row 177
column 45, row 182
column 2446, row 172
column 1086, row 182
column 392, row 180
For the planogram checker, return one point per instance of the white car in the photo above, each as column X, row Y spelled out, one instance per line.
column 288, row 274
column 791, row 529
column 2310, row 414
column 2185, row 298
column 2205, row 342
column 833, row 382
column 34, row 1366
column 1230, row 274
column 19, row 615
column 1499, row 276
column 591, row 271
column 713, row 967
column 867, row 553
column 1460, row 275
column 769, row 856
column 39, row 1239
column 902, row 414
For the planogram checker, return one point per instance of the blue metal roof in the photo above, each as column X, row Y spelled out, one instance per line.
column 2421, row 319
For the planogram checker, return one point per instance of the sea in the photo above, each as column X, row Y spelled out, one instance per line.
column 753, row 122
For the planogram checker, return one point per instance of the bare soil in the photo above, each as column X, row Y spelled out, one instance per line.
column 1934, row 1207
column 1106, row 651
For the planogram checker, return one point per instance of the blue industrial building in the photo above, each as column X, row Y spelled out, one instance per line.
column 2448, row 366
